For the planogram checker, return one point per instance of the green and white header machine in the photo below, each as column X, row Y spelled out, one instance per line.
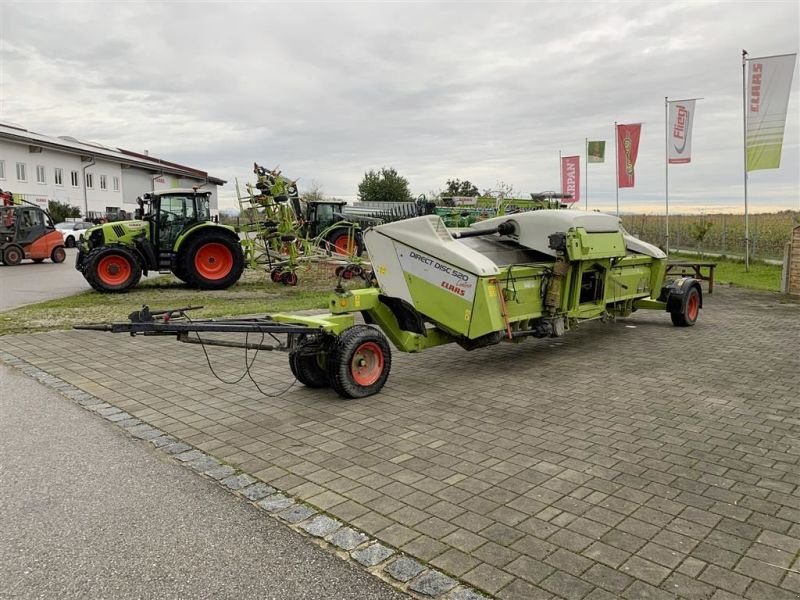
column 501, row 280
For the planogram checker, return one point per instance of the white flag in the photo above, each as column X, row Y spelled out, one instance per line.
column 681, row 117
column 769, row 81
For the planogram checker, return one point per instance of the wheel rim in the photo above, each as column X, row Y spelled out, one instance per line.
column 213, row 260
column 59, row 255
column 692, row 307
column 13, row 256
column 367, row 364
column 344, row 244
column 114, row 270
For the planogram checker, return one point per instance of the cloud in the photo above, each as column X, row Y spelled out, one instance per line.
column 486, row 92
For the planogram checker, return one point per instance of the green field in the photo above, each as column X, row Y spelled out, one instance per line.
column 761, row 276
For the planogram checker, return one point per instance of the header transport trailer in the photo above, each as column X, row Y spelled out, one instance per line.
column 533, row 274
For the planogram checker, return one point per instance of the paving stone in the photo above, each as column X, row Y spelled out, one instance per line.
column 764, row 591
column 372, row 555
column 519, row 590
column 237, row 482
column 644, row 569
column 566, row 586
column 606, row 578
column 204, row 463
column 118, row 416
column 432, row 583
column 178, row 448
column 161, row 441
column 462, row 593
column 220, row 472
column 488, row 578
column 321, row 526
column 455, row 562
column 297, row 513
column 275, row 503
column 257, row 491
column 404, row 568
column 347, row 538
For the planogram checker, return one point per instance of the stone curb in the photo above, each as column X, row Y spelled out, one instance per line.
column 402, row 572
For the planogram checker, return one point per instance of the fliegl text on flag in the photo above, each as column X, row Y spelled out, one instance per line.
column 681, row 117
column 627, row 151
column 769, row 81
column 571, row 178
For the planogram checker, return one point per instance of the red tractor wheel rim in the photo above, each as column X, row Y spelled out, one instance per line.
column 213, row 260
column 367, row 364
column 344, row 244
column 692, row 307
column 113, row 270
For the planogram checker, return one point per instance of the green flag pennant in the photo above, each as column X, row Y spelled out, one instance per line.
column 596, row 151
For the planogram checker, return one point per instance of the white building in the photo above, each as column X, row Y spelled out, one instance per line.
column 97, row 179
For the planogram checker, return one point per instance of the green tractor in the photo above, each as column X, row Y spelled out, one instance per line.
column 173, row 232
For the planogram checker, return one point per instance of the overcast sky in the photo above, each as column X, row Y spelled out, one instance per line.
column 481, row 91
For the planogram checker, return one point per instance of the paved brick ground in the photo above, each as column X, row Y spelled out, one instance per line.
column 626, row 460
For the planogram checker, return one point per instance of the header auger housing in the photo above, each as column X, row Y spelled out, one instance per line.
column 534, row 274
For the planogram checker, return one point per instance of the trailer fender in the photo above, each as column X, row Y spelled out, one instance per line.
column 407, row 316
column 675, row 292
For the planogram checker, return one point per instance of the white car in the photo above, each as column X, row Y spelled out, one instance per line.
column 73, row 231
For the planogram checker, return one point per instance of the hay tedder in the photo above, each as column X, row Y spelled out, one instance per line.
column 534, row 274
column 283, row 233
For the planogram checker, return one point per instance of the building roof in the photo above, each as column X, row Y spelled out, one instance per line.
column 95, row 150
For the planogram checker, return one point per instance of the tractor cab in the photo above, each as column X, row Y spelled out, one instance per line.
column 170, row 213
column 321, row 214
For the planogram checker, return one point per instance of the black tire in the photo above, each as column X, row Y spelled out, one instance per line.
column 367, row 344
column 188, row 260
column 13, row 255
column 98, row 269
column 69, row 242
column 58, row 255
column 687, row 314
column 308, row 370
column 343, row 235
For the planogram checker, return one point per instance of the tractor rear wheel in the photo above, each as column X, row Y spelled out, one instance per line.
column 345, row 242
column 13, row 255
column 359, row 362
column 112, row 269
column 58, row 255
column 687, row 314
column 211, row 261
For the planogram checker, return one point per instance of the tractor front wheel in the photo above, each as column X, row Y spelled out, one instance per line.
column 58, row 255
column 13, row 255
column 359, row 362
column 687, row 314
column 211, row 261
column 112, row 269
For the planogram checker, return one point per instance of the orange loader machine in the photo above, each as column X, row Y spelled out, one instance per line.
column 26, row 231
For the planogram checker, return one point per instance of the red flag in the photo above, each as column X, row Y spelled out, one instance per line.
column 571, row 178
column 627, row 150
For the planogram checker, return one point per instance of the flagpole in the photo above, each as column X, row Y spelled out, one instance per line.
column 666, row 165
column 744, row 140
column 586, row 169
column 560, row 173
column 616, row 167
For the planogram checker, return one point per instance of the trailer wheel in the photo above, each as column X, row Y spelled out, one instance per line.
column 309, row 369
column 12, row 255
column 359, row 362
column 112, row 269
column 289, row 278
column 687, row 314
column 58, row 255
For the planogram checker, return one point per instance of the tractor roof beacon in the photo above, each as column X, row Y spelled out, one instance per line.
column 173, row 232
column 532, row 274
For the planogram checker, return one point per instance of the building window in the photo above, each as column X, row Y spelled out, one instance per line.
column 89, row 181
column 75, row 179
column 103, row 182
column 21, row 175
column 58, row 177
column 2, row 169
column 40, row 176
column 116, row 184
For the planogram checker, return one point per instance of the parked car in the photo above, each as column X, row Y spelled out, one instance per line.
column 73, row 231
